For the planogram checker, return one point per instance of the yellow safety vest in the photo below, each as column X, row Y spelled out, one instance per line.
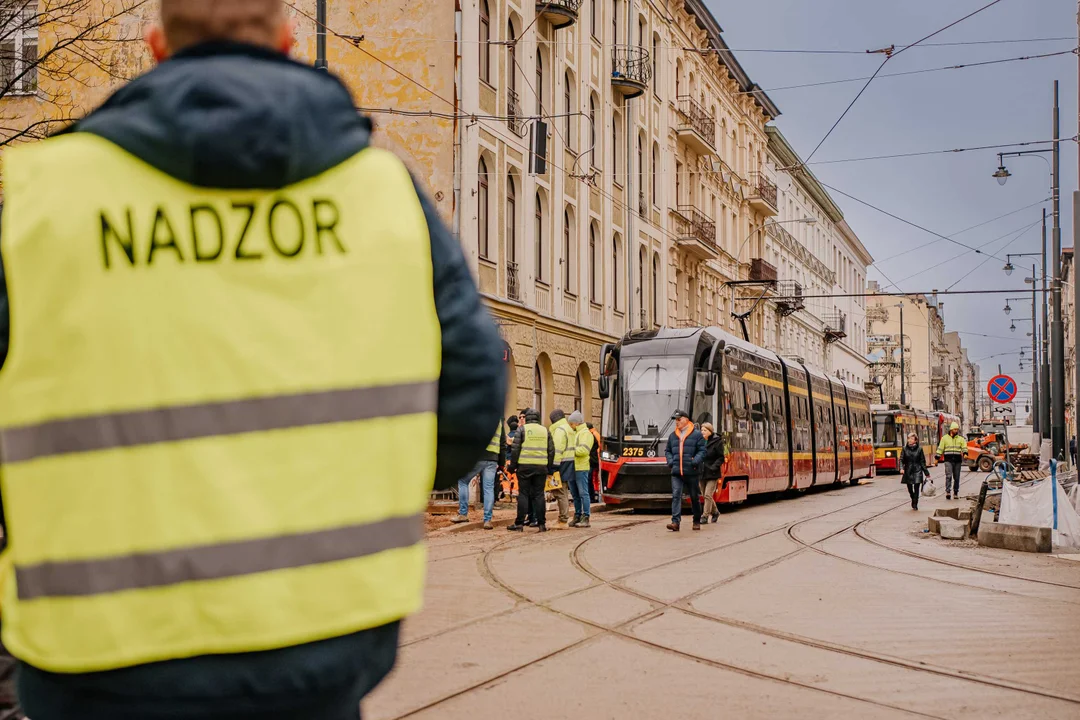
column 950, row 445
column 197, row 384
column 495, row 446
column 561, row 435
column 583, row 445
column 534, row 446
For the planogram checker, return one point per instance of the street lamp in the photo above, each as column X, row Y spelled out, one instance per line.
column 1008, row 308
column 1002, row 175
column 1012, row 327
column 1008, row 268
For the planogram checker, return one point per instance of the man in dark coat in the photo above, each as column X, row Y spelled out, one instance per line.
column 685, row 454
column 532, row 471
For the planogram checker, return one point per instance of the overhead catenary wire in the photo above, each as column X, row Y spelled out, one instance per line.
column 889, row 55
column 968, row 274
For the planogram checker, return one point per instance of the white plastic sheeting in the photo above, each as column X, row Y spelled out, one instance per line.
column 1042, row 504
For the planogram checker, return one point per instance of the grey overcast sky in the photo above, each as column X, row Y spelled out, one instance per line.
column 990, row 105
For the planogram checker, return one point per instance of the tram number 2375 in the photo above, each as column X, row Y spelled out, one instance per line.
column 633, row 452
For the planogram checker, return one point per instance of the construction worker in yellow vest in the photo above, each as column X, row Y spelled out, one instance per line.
column 563, row 437
column 242, row 348
column 533, row 459
column 583, row 445
column 953, row 447
column 493, row 460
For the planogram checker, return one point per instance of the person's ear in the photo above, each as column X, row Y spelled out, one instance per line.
column 158, row 43
column 286, row 36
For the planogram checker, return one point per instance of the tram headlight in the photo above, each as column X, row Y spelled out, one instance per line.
column 888, row 453
column 605, row 455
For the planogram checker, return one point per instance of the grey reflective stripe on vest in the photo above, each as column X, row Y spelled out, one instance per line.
column 232, row 417
column 215, row 562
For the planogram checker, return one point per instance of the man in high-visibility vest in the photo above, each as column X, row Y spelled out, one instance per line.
column 533, row 459
column 583, row 444
column 953, row 447
column 242, row 347
column 562, row 435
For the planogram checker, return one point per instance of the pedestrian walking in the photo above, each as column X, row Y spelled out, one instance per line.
column 533, row 459
column 562, row 436
column 583, row 445
column 490, row 463
column 594, row 463
column 253, row 305
column 710, row 472
column 953, row 448
column 914, row 469
column 685, row 454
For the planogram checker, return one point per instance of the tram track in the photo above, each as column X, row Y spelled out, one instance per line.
column 683, row 604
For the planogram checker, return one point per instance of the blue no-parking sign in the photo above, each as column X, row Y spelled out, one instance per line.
column 1002, row 389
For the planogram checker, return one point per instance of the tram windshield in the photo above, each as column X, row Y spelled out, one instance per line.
column 653, row 388
column 884, row 431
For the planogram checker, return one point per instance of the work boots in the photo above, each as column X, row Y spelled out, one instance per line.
column 584, row 523
column 673, row 526
column 576, row 521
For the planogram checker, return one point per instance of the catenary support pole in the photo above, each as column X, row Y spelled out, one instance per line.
column 1057, row 338
column 1034, row 355
column 903, row 391
column 1044, row 372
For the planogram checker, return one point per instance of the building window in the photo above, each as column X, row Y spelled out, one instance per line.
column 568, row 107
column 482, row 212
column 568, row 255
column 485, row 42
column 640, row 166
column 539, row 230
column 655, row 174
column 511, row 67
column 511, row 217
column 616, row 254
column 18, row 47
column 656, row 288
column 615, row 22
column 642, row 262
column 655, row 65
column 592, row 130
column 539, row 84
column 594, row 22
column 594, row 267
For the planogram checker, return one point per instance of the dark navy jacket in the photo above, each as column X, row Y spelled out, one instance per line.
column 693, row 449
column 234, row 116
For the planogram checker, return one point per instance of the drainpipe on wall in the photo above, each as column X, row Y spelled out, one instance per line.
column 459, row 134
column 320, row 36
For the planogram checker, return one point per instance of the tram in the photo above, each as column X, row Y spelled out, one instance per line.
column 785, row 426
column 893, row 423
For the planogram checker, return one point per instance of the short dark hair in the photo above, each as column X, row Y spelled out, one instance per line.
column 557, row 415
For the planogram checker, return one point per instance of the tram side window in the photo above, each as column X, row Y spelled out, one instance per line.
column 778, row 425
column 704, row 405
column 759, row 418
column 739, row 416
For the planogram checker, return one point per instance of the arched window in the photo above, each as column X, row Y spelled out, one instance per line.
column 594, row 20
column 614, row 147
column 592, row 130
column 655, row 65
column 594, row 266
column 641, row 32
column 678, row 79
column 568, row 255
column 568, row 107
column 538, row 390
column 615, row 22
column 539, row 83
column 538, row 228
column 579, row 393
column 511, row 67
column 511, row 220
column 482, row 211
column 616, row 266
column 642, row 262
column 655, row 174
column 656, row 288
column 485, row 46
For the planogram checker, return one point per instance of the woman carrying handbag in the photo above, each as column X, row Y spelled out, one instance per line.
column 913, row 466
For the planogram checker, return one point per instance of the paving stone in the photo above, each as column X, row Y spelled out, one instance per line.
column 953, row 529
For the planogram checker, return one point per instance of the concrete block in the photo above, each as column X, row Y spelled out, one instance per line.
column 953, row 529
column 933, row 524
column 953, row 513
column 1022, row 538
column 964, row 514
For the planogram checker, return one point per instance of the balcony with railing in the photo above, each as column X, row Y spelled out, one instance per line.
column 696, row 232
column 513, row 286
column 514, row 114
column 835, row 326
column 560, row 13
column 696, row 127
column 762, row 193
column 789, row 298
column 631, row 70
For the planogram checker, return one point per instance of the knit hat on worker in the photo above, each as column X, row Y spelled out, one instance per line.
column 576, row 418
